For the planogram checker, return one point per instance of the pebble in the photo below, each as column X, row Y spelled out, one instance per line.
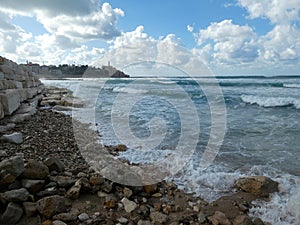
column 83, row 217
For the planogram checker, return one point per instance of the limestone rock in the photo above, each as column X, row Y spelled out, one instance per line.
column 19, row 195
column 35, row 170
column 121, row 148
column 55, row 164
column 12, row 214
column 15, row 138
column 10, row 101
column 9, row 126
column 219, row 218
column 49, row 206
column 13, row 165
column 257, row 185
column 129, row 206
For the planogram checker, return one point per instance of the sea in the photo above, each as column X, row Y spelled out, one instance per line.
column 252, row 121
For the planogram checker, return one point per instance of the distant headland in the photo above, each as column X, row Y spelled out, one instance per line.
column 74, row 71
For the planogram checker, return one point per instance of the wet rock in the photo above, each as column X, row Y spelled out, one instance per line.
column 129, row 206
column 55, row 164
column 66, row 217
column 158, row 217
column 14, row 165
column 257, row 185
column 35, row 170
column 33, row 186
column 242, row 220
column 29, row 208
column 121, row 148
column 20, row 195
column 15, row 138
column 219, row 218
column 83, row 217
column 257, row 221
column 12, row 214
column 49, row 206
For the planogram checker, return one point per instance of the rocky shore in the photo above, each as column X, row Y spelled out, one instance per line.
column 45, row 180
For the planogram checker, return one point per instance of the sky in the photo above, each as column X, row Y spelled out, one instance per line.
column 238, row 37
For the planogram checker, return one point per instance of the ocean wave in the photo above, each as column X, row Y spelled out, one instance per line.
column 265, row 101
column 129, row 90
column 291, row 85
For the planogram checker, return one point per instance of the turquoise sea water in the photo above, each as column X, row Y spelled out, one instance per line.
column 262, row 130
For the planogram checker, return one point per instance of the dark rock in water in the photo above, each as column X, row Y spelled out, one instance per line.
column 35, row 170
column 55, row 164
column 19, row 195
column 49, row 206
column 257, row 185
column 15, row 138
column 12, row 214
column 14, row 165
column 121, row 148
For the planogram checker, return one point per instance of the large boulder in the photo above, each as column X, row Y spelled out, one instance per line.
column 12, row 214
column 13, row 165
column 50, row 206
column 35, row 170
column 10, row 101
column 259, row 186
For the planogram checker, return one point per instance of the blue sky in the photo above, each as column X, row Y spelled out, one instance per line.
column 253, row 37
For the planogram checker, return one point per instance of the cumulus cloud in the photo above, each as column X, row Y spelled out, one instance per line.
column 277, row 11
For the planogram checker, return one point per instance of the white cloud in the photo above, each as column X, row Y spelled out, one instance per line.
column 190, row 28
column 277, row 11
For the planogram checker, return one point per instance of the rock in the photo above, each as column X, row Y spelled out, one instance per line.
column 219, row 218
column 129, row 206
column 83, row 217
column 9, row 126
column 257, row 185
column 101, row 194
column 15, row 138
column 35, row 170
column 242, row 220
column 123, row 220
column 110, row 201
column 10, row 101
column 3, row 153
column 29, row 208
column 61, row 108
column 58, row 222
column 158, row 217
column 12, row 214
column 66, row 217
column 30, row 221
column 144, row 222
column 73, row 192
column 94, row 180
column 257, row 221
column 20, row 195
column 55, row 164
column 121, row 148
column 14, row 165
column 63, row 181
column 6, row 180
column 33, row 186
column 127, row 192
column 157, row 195
column 149, row 189
column 49, row 206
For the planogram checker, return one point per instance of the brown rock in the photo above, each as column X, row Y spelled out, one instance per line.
column 29, row 208
column 35, row 170
column 149, row 189
column 49, row 206
column 242, row 220
column 158, row 217
column 257, row 185
column 121, row 148
column 219, row 218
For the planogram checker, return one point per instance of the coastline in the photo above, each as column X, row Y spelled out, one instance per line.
column 50, row 134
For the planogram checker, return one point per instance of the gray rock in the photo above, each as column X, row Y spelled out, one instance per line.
column 63, row 181
column 35, row 170
column 9, row 126
column 219, row 218
column 20, row 195
column 83, row 217
column 58, row 222
column 55, row 164
column 15, row 138
column 29, row 208
column 129, row 206
column 14, row 165
column 49, row 206
column 127, row 192
column 73, row 192
column 66, row 217
column 242, row 220
column 12, row 214
column 10, row 101
column 33, row 186
column 158, row 217
column 144, row 222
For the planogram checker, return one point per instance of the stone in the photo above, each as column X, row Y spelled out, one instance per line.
column 49, row 206
column 83, row 217
column 219, row 218
column 129, row 206
column 260, row 186
column 242, row 220
column 123, row 220
column 144, row 222
column 127, row 192
column 19, row 118
column 66, row 217
column 12, row 214
column 63, row 181
column 35, row 170
column 257, row 221
column 95, row 180
column 110, row 201
column 10, row 101
column 19, row 195
column 121, row 148
column 13, row 165
column 29, row 208
column 58, row 222
column 33, row 186
column 149, row 189
column 15, row 138
column 72, row 102
column 101, row 194
column 9, row 126
column 158, row 217
column 55, row 164
column 73, row 192
column 1, row 112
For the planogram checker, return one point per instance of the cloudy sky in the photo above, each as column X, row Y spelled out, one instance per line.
column 258, row 37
